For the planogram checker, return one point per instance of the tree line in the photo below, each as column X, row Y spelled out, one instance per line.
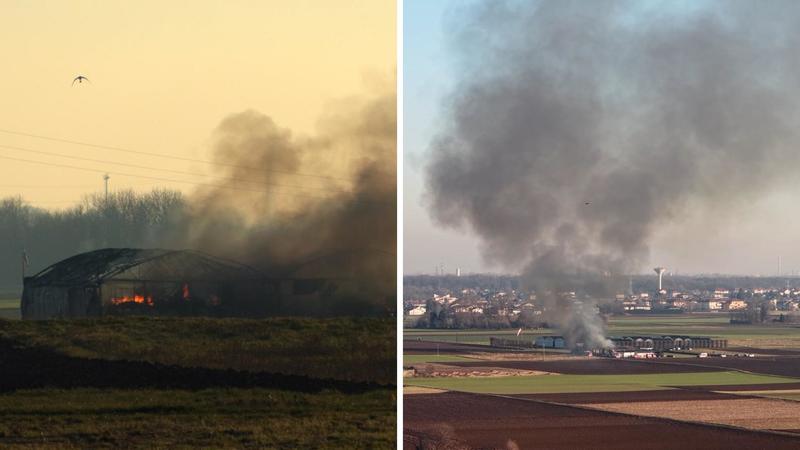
column 42, row 237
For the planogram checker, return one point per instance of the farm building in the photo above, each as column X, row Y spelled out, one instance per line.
column 177, row 282
column 510, row 343
column 649, row 343
column 123, row 280
column 539, row 342
column 550, row 342
column 661, row 343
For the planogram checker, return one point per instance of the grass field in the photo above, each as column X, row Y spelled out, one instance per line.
column 9, row 308
column 480, row 337
column 605, row 388
column 545, row 384
column 412, row 359
column 354, row 349
column 152, row 414
column 716, row 325
column 215, row 418
column 703, row 324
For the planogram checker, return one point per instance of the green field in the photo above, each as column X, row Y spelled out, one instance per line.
column 411, row 359
column 542, row 384
column 716, row 325
column 470, row 336
column 213, row 418
column 703, row 324
column 9, row 308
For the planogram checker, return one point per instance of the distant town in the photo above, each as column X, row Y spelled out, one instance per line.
column 498, row 301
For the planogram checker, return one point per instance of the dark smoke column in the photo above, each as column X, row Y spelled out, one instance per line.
column 579, row 128
column 317, row 206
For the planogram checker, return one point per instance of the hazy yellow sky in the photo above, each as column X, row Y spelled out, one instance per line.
column 164, row 74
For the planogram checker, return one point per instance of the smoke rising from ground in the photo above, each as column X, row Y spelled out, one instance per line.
column 307, row 206
column 577, row 129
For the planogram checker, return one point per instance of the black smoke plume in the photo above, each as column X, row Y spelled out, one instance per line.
column 319, row 206
column 576, row 129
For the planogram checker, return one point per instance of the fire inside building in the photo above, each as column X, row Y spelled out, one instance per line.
column 157, row 281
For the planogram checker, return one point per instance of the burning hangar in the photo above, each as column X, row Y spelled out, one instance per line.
column 149, row 281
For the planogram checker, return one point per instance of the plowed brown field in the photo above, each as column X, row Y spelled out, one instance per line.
column 754, row 413
column 482, row 421
column 415, row 347
column 787, row 366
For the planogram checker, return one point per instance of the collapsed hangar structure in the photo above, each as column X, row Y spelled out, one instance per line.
column 154, row 282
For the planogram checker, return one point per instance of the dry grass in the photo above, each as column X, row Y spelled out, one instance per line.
column 434, row 370
column 213, row 418
column 353, row 349
column 412, row 390
column 217, row 417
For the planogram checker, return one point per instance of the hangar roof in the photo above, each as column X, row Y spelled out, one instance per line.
column 97, row 266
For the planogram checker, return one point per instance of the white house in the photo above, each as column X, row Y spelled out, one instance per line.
column 417, row 311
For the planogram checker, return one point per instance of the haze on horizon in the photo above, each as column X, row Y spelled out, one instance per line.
column 742, row 230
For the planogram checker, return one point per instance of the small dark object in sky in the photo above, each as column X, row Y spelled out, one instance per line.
column 79, row 79
column 587, row 203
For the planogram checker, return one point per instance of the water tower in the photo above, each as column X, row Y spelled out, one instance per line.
column 660, row 271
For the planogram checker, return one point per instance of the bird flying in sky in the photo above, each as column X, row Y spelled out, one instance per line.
column 79, row 79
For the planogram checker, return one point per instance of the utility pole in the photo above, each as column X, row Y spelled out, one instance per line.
column 105, row 180
column 25, row 263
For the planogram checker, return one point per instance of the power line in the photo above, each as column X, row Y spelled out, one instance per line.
column 137, row 166
column 149, row 177
column 66, row 186
column 23, row 186
column 52, row 201
column 139, row 152
column 220, row 186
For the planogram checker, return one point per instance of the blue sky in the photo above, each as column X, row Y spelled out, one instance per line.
column 427, row 76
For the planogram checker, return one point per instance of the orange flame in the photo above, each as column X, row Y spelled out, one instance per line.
column 185, row 291
column 135, row 299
